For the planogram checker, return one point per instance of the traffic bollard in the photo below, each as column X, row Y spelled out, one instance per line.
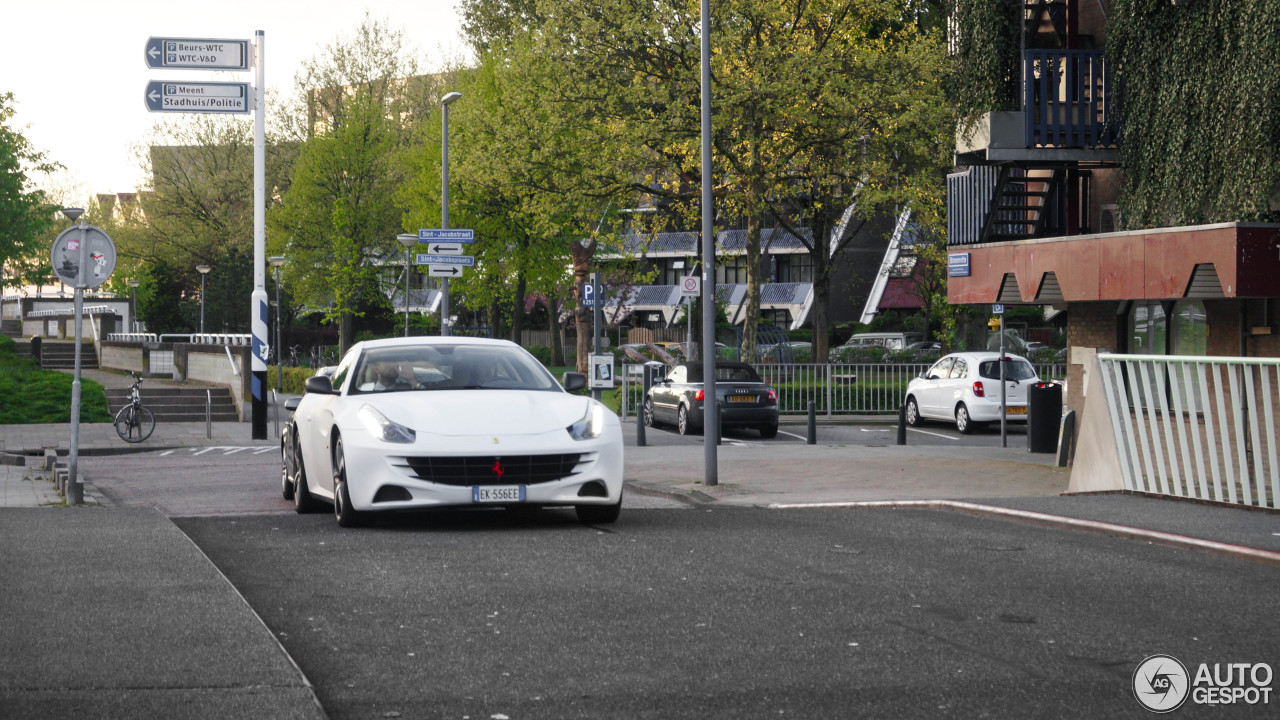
column 902, row 424
column 813, row 425
column 640, row 441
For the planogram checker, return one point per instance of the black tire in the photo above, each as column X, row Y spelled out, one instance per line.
column 346, row 515
column 647, row 413
column 913, row 412
column 303, row 502
column 964, row 423
column 768, row 431
column 684, row 423
column 134, row 426
column 599, row 514
column 286, row 479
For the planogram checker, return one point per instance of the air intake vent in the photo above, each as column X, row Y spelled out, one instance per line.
column 494, row 470
column 1049, row 290
column 1204, row 282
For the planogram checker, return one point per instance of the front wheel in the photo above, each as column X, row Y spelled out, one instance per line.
column 599, row 514
column 647, row 412
column 134, row 423
column 346, row 515
column 913, row 412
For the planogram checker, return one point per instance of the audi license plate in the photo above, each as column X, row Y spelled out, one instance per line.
column 1017, row 411
column 742, row 398
column 498, row 494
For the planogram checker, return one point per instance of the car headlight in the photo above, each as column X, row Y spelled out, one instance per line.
column 591, row 425
column 383, row 429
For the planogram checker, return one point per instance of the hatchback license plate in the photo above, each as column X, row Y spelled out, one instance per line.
column 1017, row 411
column 498, row 494
column 742, row 398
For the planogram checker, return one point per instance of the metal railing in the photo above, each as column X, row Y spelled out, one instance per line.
column 834, row 389
column 1196, row 427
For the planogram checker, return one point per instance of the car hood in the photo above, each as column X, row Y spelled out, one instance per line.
column 479, row 412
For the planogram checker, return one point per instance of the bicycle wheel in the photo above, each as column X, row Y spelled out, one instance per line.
column 134, row 424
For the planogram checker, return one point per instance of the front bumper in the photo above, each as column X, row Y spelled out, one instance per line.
column 380, row 476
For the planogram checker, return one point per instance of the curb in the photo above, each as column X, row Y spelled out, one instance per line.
column 1155, row 537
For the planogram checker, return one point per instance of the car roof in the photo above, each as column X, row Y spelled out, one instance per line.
column 982, row 356
column 420, row 340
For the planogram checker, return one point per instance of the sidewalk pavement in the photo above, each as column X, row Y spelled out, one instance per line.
column 84, row 585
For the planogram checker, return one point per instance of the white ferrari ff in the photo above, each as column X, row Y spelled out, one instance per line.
column 425, row 422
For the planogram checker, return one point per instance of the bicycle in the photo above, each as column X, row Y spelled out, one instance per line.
column 135, row 423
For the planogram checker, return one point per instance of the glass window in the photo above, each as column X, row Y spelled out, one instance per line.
column 1190, row 331
column 344, row 367
column 731, row 270
column 960, row 370
column 941, row 369
column 1013, row 370
column 1148, row 329
column 450, row 367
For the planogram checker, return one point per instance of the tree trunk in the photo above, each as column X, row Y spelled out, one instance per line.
column 517, row 312
column 346, row 332
column 556, row 333
column 755, row 218
column 821, row 285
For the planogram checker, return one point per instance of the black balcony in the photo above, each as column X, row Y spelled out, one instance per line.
column 1067, row 99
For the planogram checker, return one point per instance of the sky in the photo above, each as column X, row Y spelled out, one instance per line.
column 77, row 72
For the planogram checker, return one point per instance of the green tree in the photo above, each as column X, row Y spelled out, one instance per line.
column 26, row 215
column 338, row 221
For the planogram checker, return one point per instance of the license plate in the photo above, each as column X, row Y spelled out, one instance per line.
column 742, row 398
column 1017, row 411
column 498, row 494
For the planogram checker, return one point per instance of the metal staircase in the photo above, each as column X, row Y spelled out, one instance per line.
column 1022, row 205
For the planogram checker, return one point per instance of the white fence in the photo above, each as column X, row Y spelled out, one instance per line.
column 1196, row 427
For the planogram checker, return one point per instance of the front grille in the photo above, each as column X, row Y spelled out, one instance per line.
column 483, row 470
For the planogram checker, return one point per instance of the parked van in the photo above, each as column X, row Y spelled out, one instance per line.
column 886, row 340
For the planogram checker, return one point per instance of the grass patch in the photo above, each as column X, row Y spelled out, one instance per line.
column 33, row 395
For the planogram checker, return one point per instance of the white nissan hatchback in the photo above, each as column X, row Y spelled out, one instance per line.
column 964, row 388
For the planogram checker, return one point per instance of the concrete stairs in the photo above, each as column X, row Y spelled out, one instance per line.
column 11, row 328
column 61, row 355
column 178, row 404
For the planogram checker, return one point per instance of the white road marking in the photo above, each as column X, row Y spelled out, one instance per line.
column 873, row 430
column 166, row 452
column 798, row 437
column 926, row 432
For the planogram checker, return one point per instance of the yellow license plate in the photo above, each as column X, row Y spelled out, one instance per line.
column 1017, row 411
column 742, row 398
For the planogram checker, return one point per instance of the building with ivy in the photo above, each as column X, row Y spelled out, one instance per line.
column 1119, row 160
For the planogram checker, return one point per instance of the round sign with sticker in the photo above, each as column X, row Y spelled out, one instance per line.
column 99, row 255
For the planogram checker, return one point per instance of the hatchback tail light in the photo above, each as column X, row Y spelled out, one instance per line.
column 698, row 396
column 978, row 391
column 773, row 395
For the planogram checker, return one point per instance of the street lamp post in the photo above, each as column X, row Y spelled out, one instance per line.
column 445, row 102
column 408, row 240
column 204, row 270
column 134, row 284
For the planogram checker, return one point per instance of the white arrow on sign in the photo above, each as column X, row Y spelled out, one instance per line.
column 442, row 249
column 444, row 271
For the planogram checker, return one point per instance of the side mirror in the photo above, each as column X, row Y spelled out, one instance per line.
column 574, row 381
column 320, row 385
column 292, row 403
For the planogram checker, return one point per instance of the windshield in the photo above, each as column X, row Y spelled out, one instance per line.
column 1014, row 369
column 450, row 367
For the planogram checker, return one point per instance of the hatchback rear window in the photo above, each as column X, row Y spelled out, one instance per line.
column 1013, row 370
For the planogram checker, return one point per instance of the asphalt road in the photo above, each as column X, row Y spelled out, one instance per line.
column 733, row 613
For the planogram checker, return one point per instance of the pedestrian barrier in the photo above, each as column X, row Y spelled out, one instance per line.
column 1196, row 427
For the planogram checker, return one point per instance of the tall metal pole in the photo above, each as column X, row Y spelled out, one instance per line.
column 596, row 302
column 711, row 409
column 445, row 330
column 1004, row 407
column 202, row 303
column 406, row 292
column 75, row 491
column 279, row 338
column 258, row 306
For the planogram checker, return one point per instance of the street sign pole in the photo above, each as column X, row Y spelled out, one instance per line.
column 596, row 301
column 75, row 490
column 258, row 305
column 711, row 413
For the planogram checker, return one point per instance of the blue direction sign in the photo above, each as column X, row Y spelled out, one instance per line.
column 201, row 54
column 464, row 260
column 200, row 97
column 460, row 235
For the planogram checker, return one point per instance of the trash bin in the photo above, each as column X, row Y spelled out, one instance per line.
column 1044, row 416
column 35, row 348
column 653, row 374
